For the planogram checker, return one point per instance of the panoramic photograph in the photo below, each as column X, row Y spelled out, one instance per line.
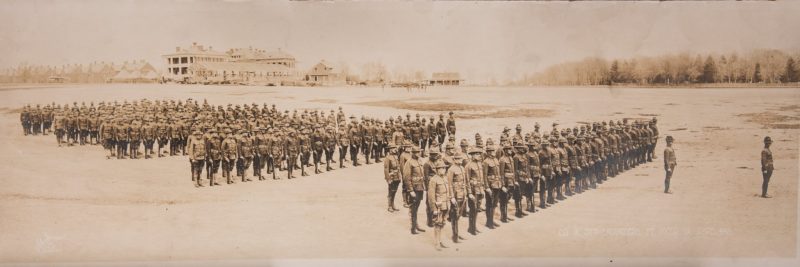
column 389, row 133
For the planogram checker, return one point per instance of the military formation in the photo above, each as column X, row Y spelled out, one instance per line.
column 486, row 176
column 261, row 140
column 421, row 157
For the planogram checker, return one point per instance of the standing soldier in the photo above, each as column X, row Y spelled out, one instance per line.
column 291, row 149
column 121, row 138
column 305, row 150
column 94, row 127
column 552, row 157
column 766, row 165
column 330, row 147
column 415, row 186
column 535, row 167
column 573, row 153
column 428, row 171
column 433, row 136
column 653, row 140
column 106, row 134
column 451, row 125
column 317, row 145
column 175, row 129
column 440, row 198
column 149, row 136
column 135, row 139
column 493, row 184
column 391, row 173
column 59, row 121
column 83, row 126
column 522, row 172
column 47, row 119
column 424, row 136
column 457, row 179
column 475, row 180
column 405, row 155
column 355, row 141
column 441, row 129
column 344, row 145
column 230, row 150
column 197, row 156
column 245, row 155
column 214, row 156
column 510, row 185
column 670, row 162
column 564, row 167
column 25, row 119
column 162, row 135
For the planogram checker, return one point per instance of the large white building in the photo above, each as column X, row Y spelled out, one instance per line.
column 198, row 64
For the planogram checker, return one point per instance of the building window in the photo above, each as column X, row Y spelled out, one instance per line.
column 184, row 60
column 183, row 70
column 191, row 60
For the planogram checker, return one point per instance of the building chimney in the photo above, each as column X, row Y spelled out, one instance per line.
column 210, row 48
column 177, row 49
column 194, row 44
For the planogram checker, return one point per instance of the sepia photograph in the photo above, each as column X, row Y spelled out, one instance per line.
column 399, row 133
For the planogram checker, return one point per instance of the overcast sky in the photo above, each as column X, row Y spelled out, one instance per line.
column 481, row 40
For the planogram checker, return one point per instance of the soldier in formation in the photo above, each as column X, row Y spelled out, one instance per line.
column 245, row 137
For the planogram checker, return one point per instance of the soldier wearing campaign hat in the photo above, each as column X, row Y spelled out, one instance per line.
column 767, row 165
column 197, row 156
column 391, row 173
column 493, row 181
column 670, row 162
column 475, row 183
column 414, row 183
column 230, row 150
column 440, row 198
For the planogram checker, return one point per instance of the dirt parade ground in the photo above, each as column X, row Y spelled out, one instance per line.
column 73, row 204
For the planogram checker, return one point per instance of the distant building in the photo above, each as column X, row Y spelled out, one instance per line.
column 136, row 72
column 95, row 72
column 196, row 64
column 445, row 78
column 324, row 73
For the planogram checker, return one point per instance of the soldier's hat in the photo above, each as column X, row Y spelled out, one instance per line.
column 654, row 119
column 441, row 165
column 506, row 129
column 391, row 119
column 415, row 149
column 570, row 137
column 464, row 142
column 670, row 139
column 562, row 140
column 441, row 115
column 519, row 127
column 228, row 130
column 490, row 148
column 555, row 124
column 458, row 156
column 392, row 145
column 767, row 139
column 352, row 117
column 407, row 143
column 449, row 146
column 212, row 130
column 451, row 113
column 520, row 145
column 474, row 150
column 453, row 138
column 545, row 142
column 477, row 136
column 196, row 132
column 433, row 152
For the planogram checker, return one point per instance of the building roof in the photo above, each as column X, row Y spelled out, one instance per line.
column 195, row 49
column 258, row 54
column 322, row 68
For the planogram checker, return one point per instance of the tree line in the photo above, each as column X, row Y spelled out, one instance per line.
column 758, row 66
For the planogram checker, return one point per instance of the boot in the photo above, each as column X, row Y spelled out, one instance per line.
column 389, row 204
